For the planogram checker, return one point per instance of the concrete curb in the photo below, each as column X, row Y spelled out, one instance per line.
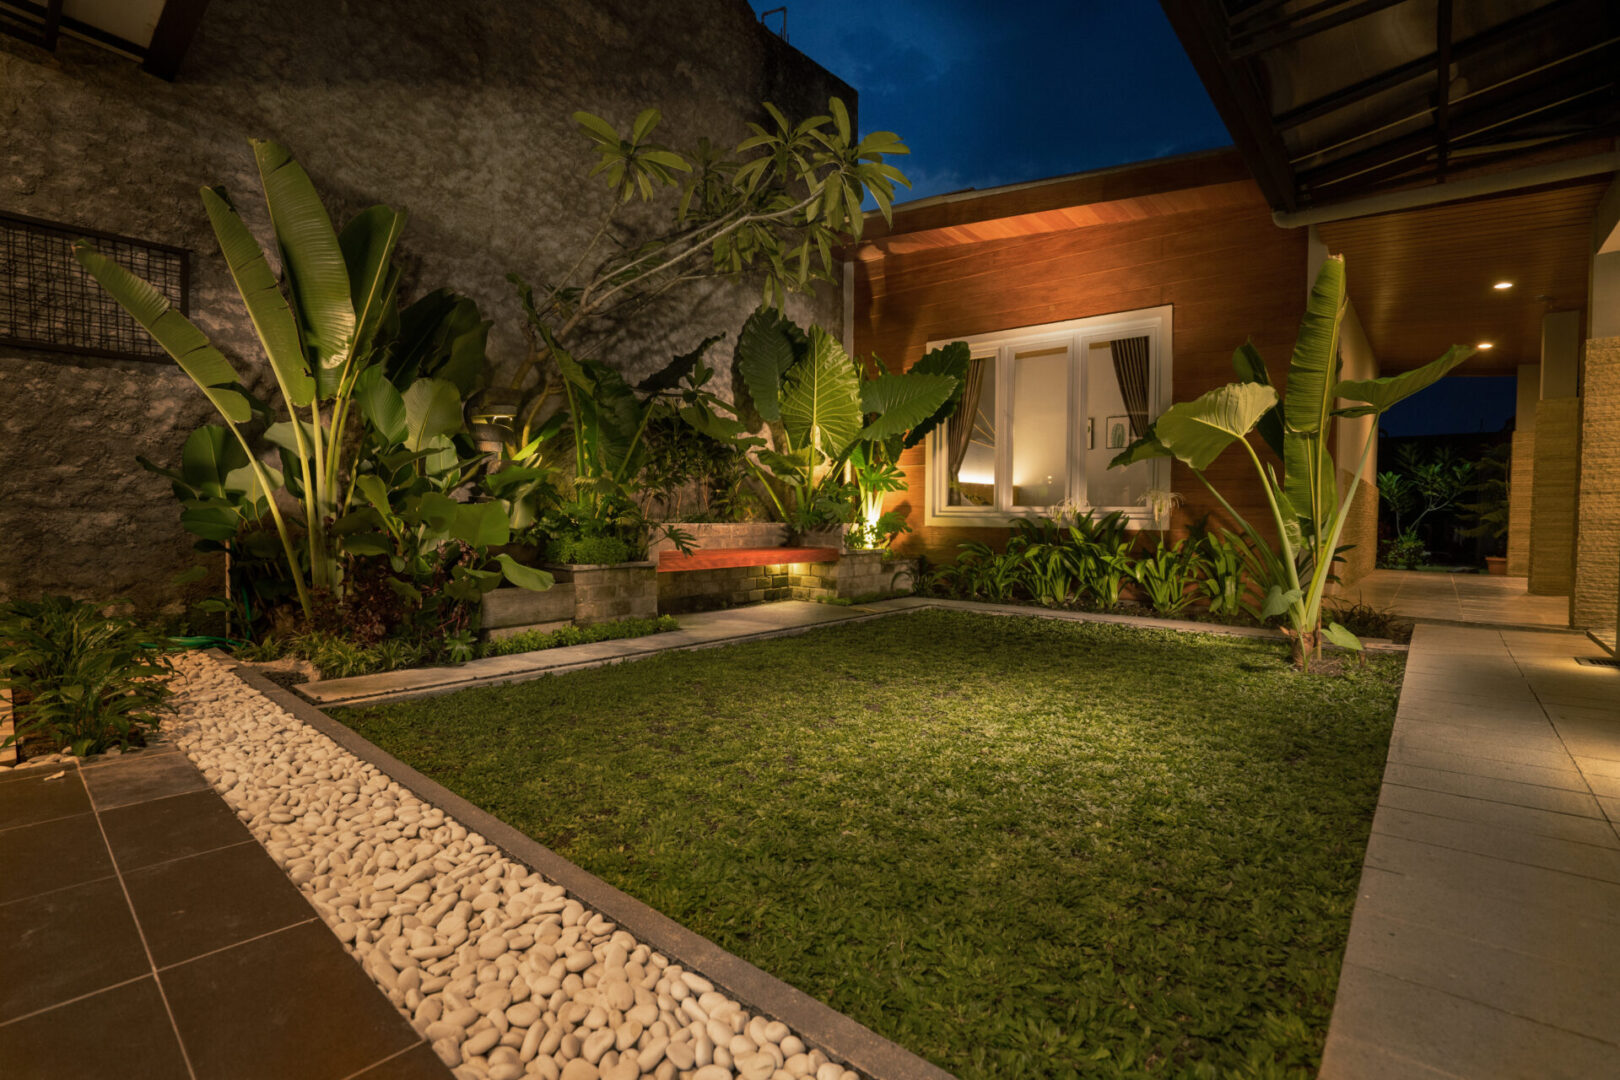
column 837, row 1036
column 501, row 670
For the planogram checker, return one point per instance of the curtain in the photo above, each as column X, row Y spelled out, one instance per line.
column 960, row 429
column 1131, row 369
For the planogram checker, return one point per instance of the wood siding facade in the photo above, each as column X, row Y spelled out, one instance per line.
column 1228, row 271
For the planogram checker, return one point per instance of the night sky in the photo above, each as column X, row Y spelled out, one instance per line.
column 998, row 93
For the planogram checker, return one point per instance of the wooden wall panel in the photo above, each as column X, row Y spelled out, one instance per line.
column 1230, row 274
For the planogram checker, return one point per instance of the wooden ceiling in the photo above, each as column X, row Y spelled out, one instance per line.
column 1421, row 280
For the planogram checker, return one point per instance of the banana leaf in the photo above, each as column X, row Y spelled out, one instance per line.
column 1196, row 431
column 267, row 307
column 1390, row 390
column 312, row 263
column 432, row 409
column 179, row 337
column 1312, row 372
column 1251, row 368
column 367, row 245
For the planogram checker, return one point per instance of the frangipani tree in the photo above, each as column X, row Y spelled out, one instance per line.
column 1304, row 502
column 778, row 204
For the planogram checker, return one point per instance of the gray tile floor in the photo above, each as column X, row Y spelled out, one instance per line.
column 1486, row 936
column 1458, row 598
column 148, row 935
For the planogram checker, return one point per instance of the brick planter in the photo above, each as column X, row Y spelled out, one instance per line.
column 708, row 535
column 604, row 592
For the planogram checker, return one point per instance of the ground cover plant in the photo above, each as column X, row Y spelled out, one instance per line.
column 1017, row 846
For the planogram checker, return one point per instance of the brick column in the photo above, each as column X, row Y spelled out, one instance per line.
column 1593, row 604
column 1558, row 448
column 1522, row 471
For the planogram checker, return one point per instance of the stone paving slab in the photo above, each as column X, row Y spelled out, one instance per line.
column 149, row 937
column 1485, row 941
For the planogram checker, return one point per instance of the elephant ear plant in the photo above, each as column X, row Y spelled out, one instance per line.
column 823, row 412
column 1305, row 505
column 326, row 325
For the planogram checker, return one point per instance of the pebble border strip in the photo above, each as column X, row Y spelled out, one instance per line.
column 501, row 970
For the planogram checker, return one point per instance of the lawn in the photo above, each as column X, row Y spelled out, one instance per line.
column 1016, row 846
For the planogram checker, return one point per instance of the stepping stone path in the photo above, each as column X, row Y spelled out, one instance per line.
column 504, row 973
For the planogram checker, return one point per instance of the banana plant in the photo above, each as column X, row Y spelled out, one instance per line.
column 316, row 325
column 1304, row 502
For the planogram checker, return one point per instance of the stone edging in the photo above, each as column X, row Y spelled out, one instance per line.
column 840, row 1037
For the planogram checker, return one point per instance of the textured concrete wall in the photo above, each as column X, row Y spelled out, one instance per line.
column 458, row 113
column 1596, row 596
column 1552, row 496
column 1521, row 481
column 605, row 593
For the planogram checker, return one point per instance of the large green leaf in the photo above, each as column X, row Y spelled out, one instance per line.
column 524, row 577
column 1392, row 389
column 267, row 307
column 1145, row 448
column 381, row 404
column 821, row 398
column 767, row 347
column 481, row 524
column 312, row 262
column 952, row 360
column 1196, row 431
column 902, row 402
column 432, row 408
column 208, row 456
column 367, row 243
column 1250, row 368
column 282, row 434
column 1308, row 404
column 179, row 337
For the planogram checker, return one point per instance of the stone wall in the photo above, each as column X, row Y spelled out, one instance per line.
column 458, row 113
column 1596, row 594
column 1553, row 494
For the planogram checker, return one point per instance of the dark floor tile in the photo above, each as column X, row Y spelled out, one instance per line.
column 35, row 798
column 169, row 828
column 51, row 855
column 66, row 944
column 417, row 1063
column 205, row 902
column 289, row 1004
column 139, row 778
column 123, row 1033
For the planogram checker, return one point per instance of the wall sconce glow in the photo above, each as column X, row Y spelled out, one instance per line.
column 1502, row 286
column 1482, row 346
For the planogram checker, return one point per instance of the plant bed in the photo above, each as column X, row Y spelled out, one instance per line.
column 1013, row 846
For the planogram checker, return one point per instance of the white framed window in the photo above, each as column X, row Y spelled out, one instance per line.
column 1045, row 410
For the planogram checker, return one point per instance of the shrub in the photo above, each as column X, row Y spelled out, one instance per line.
column 588, row 549
column 1405, row 552
column 81, row 681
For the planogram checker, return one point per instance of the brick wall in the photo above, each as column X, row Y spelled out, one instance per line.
column 1552, row 497
column 1593, row 604
column 856, row 574
column 725, row 534
column 1521, row 479
column 605, row 593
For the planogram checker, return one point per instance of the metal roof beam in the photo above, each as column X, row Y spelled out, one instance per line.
column 1291, row 28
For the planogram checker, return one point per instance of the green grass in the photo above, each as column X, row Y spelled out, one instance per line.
column 1018, row 847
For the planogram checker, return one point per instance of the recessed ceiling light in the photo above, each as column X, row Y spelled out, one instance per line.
column 1503, row 285
column 1486, row 345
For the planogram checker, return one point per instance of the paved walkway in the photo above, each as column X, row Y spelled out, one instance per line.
column 148, row 936
column 1458, row 598
column 1486, row 936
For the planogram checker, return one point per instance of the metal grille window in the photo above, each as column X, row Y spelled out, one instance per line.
column 48, row 301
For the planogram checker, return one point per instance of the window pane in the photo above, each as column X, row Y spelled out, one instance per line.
column 1040, row 427
column 1119, row 389
column 970, row 439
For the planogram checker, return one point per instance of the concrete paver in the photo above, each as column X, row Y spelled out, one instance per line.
column 1485, row 941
